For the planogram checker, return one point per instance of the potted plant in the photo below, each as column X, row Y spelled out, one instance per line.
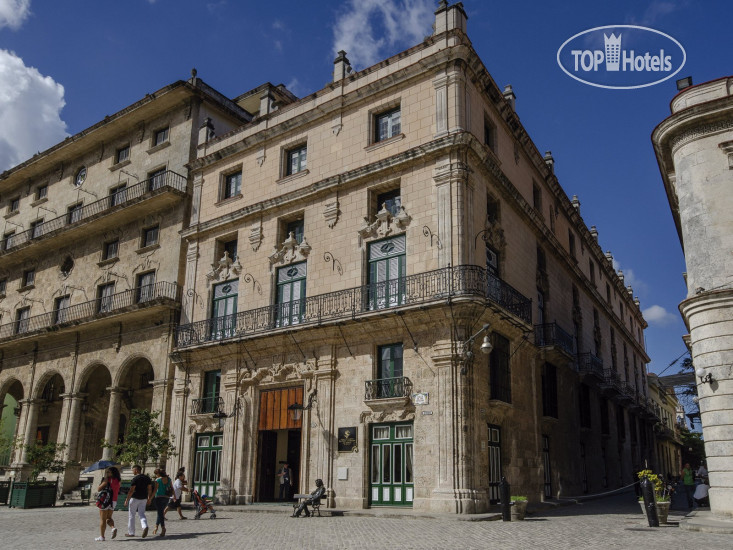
column 661, row 496
column 519, row 507
column 34, row 493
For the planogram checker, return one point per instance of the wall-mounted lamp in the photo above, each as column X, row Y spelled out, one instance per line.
column 704, row 378
column 466, row 348
column 220, row 416
column 296, row 409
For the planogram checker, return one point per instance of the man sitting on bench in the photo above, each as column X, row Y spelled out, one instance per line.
column 315, row 497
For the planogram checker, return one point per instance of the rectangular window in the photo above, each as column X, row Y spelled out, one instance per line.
column 584, row 406
column 605, row 428
column 389, row 371
column 210, row 395
column 21, row 320
column 387, row 125
column 160, row 137
column 291, row 294
column 620, row 423
column 608, row 293
column 117, row 195
column 571, row 244
column 391, row 200
column 489, row 135
column 541, row 261
column 150, row 236
column 549, row 390
column 8, row 240
column 145, row 287
column 15, row 204
column 536, row 197
column 501, row 376
column 224, row 309
column 230, row 247
column 110, row 249
column 156, row 179
column 73, row 213
column 41, row 192
column 296, row 160
column 36, row 229
column 29, row 277
column 540, row 307
column 60, row 307
column 492, row 209
column 297, row 228
column 123, row 153
column 3, row 286
column 104, row 297
column 232, row 185
column 592, row 270
column 387, row 273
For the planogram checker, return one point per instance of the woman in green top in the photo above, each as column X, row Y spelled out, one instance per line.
column 163, row 490
column 688, row 480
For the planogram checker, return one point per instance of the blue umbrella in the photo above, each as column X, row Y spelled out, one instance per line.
column 100, row 465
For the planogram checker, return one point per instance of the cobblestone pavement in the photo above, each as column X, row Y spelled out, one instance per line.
column 608, row 523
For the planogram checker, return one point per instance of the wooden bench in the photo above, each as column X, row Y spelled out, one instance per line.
column 315, row 505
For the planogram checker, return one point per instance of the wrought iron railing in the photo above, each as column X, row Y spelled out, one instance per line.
column 155, row 185
column 384, row 388
column 613, row 381
column 551, row 334
column 432, row 286
column 590, row 364
column 87, row 311
column 207, row 405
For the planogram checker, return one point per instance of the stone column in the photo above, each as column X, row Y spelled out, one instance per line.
column 31, row 423
column 711, row 332
column 113, row 420
column 75, row 402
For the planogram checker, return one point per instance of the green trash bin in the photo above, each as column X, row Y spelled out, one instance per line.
column 122, row 496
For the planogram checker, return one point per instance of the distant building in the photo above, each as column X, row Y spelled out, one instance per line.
column 694, row 148
column 667, row 449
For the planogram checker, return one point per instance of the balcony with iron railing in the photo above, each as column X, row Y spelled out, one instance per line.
column 387, row 388
column 551, row 336
column 163, row 293
column 166, row 182
column 588, row 363
column 207, row 405
column 612, row 384
column 438, row 286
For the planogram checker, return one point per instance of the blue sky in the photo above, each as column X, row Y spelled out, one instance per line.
column 65, row 65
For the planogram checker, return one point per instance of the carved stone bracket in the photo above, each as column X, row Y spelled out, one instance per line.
column 331, row 213
column 385, row 223
column 255, row 235
column 224, row 269
column 279, row 372
column 291, row 251
column 493, row 235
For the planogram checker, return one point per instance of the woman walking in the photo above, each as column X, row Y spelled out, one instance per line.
column 111, row 482
column 163, row 492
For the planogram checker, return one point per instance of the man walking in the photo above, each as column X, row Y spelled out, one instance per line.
column 140, row 495
column 286, row 481
column 688, row 480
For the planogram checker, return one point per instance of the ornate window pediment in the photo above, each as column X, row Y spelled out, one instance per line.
column 291, row 251
column 226, row 268
column 385, row 223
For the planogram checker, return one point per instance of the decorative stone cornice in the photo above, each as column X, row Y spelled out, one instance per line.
column 291, row 251
column 224, row 269
column 384, row 224
column 279, row 372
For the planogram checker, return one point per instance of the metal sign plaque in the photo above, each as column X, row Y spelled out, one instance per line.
column 347, row 440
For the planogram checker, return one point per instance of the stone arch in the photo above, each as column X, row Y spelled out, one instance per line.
column 124, row 369
column 134, row 378
column 44, row 379
column 93, row 383
column 12, row 393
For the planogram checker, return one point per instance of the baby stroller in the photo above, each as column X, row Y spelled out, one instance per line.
column 202, row 505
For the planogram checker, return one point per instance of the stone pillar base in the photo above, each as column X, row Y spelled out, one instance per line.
column 460, row 501
column 69, row 479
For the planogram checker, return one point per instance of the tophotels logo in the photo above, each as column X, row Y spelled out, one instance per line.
column 621, row 57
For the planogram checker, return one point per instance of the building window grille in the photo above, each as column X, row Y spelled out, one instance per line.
column 549, row 390
column 297, row 160
column 500, row 374
column 387, row 125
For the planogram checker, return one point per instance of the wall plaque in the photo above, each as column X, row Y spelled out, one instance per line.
column 347, row 440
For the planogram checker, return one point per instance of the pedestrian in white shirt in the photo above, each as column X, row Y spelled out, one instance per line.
column 179, row 485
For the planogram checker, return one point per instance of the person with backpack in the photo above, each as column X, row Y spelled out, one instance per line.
column 163, row 492
column 107, row 501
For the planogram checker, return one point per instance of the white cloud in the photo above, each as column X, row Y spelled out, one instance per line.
column 30, row 111
column 14, row 12
column 399, row 23
column 294, row 86
column 630, row 278
column 657, row 315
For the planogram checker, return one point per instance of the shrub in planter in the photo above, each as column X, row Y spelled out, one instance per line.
column 519, row 507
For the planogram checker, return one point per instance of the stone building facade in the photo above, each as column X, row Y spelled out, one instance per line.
column 345, row 252
column 694, row 149
column 667, row 459
column 90, row 280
